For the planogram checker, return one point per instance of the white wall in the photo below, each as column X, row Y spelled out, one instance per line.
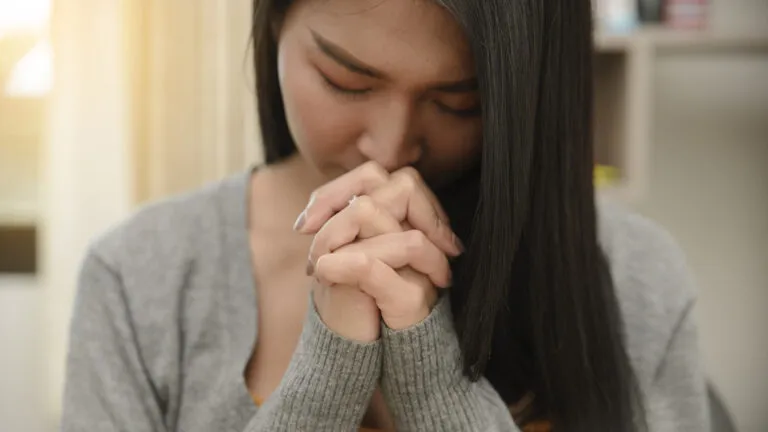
column 87, row 161
column 22, row 355
column 709, row 186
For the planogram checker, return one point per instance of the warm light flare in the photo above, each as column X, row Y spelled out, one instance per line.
column 31, row 76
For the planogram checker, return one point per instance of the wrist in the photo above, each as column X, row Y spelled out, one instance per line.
column 348, row 313
column 330, row 377
column 424, row 356
column 413, row 316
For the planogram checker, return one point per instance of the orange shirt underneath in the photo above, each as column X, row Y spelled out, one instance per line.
column 537, row 426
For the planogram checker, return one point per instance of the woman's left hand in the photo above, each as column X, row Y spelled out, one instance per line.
column 400, row 270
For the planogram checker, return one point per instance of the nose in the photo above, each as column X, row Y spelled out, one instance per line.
column 392, row 138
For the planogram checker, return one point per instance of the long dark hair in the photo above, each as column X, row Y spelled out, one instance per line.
column 534, row 301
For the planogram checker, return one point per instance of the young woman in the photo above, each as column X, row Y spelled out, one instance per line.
column 421, row 252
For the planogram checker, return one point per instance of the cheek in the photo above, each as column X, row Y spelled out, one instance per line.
column 322, row 126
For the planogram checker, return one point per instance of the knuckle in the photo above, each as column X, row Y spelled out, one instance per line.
column 415, row 240
column 407, row 181
column 363, row 263
column 411, row 173
column 369, row 278
column 367, row 275
column 364, row 207
column 373, row 171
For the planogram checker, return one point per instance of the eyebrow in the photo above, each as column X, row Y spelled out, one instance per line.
column 347, row 60
column 344, row 58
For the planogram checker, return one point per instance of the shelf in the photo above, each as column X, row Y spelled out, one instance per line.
column 623, row 72
column 18, row 249
column 613, row 42
column 666, row 39
column 18, row 214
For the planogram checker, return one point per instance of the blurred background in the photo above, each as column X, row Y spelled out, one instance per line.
column 108, row 104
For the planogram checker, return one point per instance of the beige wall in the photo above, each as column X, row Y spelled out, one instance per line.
column 87, row 162
column 709, row 187
column 20, row 123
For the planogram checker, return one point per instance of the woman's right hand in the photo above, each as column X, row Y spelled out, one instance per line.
column 387, row 208
column 346, row 309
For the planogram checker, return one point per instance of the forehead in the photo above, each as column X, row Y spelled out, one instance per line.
column 397, row 36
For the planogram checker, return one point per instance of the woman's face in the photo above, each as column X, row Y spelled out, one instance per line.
column 391, row 81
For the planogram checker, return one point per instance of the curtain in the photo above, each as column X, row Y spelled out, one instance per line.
column 192, row 93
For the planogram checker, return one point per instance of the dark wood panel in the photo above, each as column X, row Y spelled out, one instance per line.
column 18, row 249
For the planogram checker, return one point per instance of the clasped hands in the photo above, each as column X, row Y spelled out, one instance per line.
column 380, row 250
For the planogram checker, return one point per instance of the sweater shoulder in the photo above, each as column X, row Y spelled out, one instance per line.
column 652, row 280
column 162, row 234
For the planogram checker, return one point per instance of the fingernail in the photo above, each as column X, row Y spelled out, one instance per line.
column 459, row 245
column 300, row 221
column 310, row 268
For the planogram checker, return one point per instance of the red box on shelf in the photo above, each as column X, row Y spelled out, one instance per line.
column 686, row 14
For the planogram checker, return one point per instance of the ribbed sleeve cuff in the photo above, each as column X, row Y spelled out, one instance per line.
column 329, row 382
column 422, row 376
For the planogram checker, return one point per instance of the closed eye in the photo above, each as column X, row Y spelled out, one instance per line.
column 458, row 112
column 338, row 88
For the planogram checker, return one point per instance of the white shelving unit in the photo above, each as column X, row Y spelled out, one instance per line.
column 624, row 66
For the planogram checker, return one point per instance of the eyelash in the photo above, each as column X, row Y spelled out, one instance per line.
column 358, row 93
column 464, row 113
column 343, row 91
